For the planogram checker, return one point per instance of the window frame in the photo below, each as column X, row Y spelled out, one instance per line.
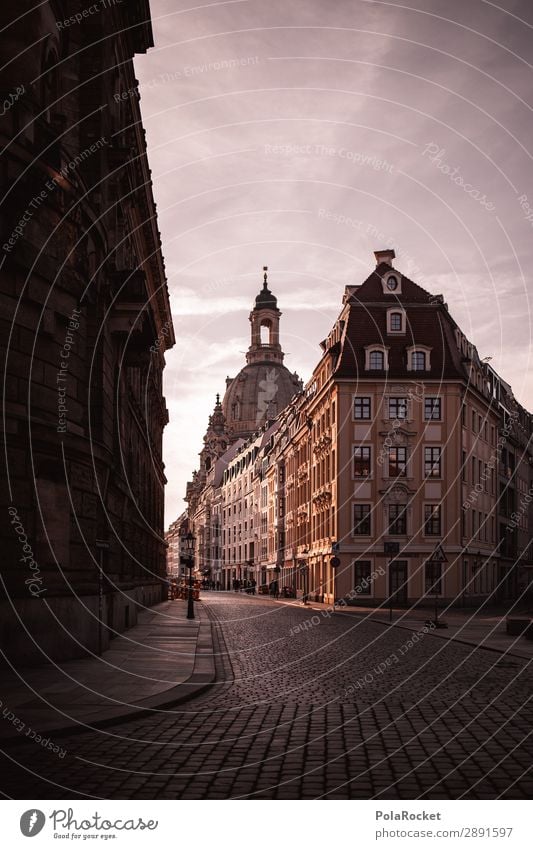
column 368, row 451
column 394, row 401
column 394, row 312
column 419, row 349
column 432, row 473
column 392, row 522
column 397, row 462
column 435, row 401
column 367, row 518
column 430, row 529
column 363, row 407
column 368, row 589
column 373, row 349
column 414, row 356
column 371, row 365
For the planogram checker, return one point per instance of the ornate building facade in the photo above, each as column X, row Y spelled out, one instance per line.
column 405, row 461
column 86, row 321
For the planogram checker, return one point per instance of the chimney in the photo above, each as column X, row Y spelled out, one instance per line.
column 385, row 256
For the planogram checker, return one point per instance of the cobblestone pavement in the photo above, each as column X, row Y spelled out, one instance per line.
column 310, row 705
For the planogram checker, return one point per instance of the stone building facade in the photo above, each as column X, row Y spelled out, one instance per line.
column 85, row 324
column 405, row 457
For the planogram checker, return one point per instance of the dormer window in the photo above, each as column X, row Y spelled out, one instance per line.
column 376, row 358
column 395, row 321
column 419, row 358
column 418, row 361
column 392, row 283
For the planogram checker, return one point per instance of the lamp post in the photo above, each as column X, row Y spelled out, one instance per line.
column 189, row 562
column 305, row 575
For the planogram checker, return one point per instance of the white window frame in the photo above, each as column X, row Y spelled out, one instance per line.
column 396, row 311
column 433, row 398
column 354, row 398
column 423, row 349
column 369, row 349
column 384, row 279
column 369, row 477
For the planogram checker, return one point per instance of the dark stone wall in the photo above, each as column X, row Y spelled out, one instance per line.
column 84, row 323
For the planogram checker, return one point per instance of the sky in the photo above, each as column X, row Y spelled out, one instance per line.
column 305, row 135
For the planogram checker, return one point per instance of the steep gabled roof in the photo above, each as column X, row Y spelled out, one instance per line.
column 428, row 324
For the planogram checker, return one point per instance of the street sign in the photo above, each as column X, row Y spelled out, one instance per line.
column 438, row 555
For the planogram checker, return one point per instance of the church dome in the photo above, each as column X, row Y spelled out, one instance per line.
column 258, row 393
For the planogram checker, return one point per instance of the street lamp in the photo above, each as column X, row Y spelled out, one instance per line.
column 189, row 562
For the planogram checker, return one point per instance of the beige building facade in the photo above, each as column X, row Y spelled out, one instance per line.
column 400, row 474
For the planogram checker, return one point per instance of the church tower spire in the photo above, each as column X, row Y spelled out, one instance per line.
column 216, row 439
column 264, row 320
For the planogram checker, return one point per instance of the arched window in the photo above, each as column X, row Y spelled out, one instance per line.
column 418, row 358
column 265, row 330
column 376, row 360
column 418, row 361
column 376, row 357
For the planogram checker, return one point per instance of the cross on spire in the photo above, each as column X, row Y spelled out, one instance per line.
column 265, row 276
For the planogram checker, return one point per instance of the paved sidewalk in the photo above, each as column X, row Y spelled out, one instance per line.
column 163, row 660
column 484, row 629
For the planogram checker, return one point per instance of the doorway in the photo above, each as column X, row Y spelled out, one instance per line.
column 398, row 581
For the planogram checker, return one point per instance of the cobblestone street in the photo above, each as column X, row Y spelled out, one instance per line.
column 338, row 708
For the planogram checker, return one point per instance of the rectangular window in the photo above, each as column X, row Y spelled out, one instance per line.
column 432, row 409
column 398, row 519
column 432, row 462
column 396, row 322
column 361, row 520
column 474, row 419
column 433, row 577
column 463, row 468
column 361, row 462
column 362, row 408
column 473, row 470
column 397, row 408
column 432, row 519
column 397, row 462
column 362, row 577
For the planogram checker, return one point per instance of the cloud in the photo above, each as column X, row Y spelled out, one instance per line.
column 245, row 155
